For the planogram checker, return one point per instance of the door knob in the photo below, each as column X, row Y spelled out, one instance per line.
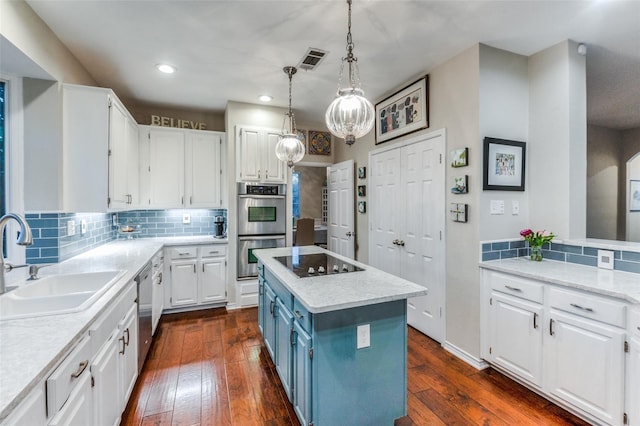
column 351, row 234
column 401, row 243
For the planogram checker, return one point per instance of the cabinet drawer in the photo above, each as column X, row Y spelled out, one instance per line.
column 634, row 322
column 214, row 250
column 183, row 252
column 62, row 381
column 517, row 286
column 104, row 326
column 589, row 306
column 301, row 315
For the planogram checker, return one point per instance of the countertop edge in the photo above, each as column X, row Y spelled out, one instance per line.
column 507, row 266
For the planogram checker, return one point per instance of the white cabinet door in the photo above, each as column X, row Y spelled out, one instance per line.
column 78, row 409
column 274, row 169
column 106, row 379
column 584, row 365
column 157, row 298
column 515, row 336
column 284, row 349
column 212, row 279
column 203, row 172
column 133, row 165
column 256, row 155
column 118, row 191
column 166, row 168
column 128, row 328
column 184, row 283
column 633, row 383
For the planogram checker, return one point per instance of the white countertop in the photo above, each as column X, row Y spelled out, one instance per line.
column 30, row 347
column 618, row 284
column 341, row 291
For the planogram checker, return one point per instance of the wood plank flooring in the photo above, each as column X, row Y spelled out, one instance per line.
column 210, row 367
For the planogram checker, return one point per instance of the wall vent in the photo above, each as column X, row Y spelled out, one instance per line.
column 312, row 59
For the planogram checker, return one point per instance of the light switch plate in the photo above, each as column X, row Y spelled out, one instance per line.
column 515, row 207
column 364, row 336
column 497, row 206
column 605, row 259
column 186, row 218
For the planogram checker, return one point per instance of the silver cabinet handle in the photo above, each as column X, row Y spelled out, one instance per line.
column 535, row 320
column 551, row 327
column 194, row 268
column 123, row 346
column 298, row 314
column 214, row 252
column 513, row 288
column 183, row 254
column 582, row 308
column 80, row 370
column 127, row 332
column 292, row 340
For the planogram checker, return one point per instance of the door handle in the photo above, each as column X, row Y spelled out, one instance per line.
column 401, row 243
column 350, row 234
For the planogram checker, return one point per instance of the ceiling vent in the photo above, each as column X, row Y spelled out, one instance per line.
column 312, row 59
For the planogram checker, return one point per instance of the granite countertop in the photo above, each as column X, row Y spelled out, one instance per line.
column 342, row 291
column 31, row 347
column 618, row 284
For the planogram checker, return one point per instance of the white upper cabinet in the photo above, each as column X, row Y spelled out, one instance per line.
column 181, row 168
column 256, row 155
column 97, row 134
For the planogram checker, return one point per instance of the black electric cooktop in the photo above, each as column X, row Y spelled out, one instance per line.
column 315, row 265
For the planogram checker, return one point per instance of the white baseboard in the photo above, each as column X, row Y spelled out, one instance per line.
column 473, row 361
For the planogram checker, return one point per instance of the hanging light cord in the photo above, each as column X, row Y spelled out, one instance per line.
column 292, row 118
column 350, row 58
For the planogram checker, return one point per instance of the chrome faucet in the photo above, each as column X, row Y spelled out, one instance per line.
column 24, row 239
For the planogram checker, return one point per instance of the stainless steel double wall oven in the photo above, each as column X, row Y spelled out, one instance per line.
column 261, row 223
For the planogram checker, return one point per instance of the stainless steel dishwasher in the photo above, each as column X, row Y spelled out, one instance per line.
column 145, row 291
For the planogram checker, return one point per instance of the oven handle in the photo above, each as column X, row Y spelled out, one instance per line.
column 261, row 237
column 282, row 197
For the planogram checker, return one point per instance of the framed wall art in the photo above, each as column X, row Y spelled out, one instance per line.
column 319, row 143
column 403, row 112
column 634, row 195
column 460, row 185
column 503, row 168
column 459, row 157
column 362, row 172
column 362, row 190
column 458, row 212
column 362, row 206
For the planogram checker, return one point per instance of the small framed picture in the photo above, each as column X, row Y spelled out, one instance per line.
column 634, row 195
column 362, row 206
column 503, row 168
column 362, row 190
column 362, row 172
column 460, row 184
column 319, row 143
column 403, row 112
column 458, row 212
column 459, row 157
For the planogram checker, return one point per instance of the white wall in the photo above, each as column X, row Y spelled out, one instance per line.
column 25, row 30
column 557, row 135
column 604, row 148
column 504, row 114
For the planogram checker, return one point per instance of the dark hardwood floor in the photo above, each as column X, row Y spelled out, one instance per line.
column 211, row 368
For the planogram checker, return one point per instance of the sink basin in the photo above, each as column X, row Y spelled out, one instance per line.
column 57, row 294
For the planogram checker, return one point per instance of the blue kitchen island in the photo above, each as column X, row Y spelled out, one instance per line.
column 336, row 331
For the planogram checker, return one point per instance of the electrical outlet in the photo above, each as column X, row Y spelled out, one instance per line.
column 186, row 218
column 71, row 228
column 515, row 207
column 364, row 336
column 83, row 226
column 114, row 219
column 605, row 259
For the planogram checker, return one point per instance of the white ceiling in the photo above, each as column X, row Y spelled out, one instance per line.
column 235, row 50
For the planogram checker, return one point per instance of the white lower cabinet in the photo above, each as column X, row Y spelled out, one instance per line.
column 114, row 368
column 568, row 344
column 632, row 399
column 78, row 409
column 197, row 275
column 157, row 294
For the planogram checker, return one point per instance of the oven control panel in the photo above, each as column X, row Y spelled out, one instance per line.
column 250, row 189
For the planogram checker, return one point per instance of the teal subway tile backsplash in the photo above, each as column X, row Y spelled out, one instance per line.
column 584, row 255
column 52, row 242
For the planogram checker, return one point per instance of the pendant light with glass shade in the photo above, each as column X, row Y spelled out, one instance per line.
column 350, row 115
column 289, row 148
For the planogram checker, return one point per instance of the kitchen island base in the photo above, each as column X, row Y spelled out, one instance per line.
column 338, row 364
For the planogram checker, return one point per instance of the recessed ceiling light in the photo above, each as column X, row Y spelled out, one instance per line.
column 166, row 68
column 265, row 98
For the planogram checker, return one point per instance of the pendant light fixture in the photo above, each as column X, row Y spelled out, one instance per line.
column 289, row 148
column 350, row 115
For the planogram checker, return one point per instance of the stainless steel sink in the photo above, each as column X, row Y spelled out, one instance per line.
column 56, row 294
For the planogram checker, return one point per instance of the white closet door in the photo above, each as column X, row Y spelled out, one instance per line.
column 423, row 259
column 341, row 228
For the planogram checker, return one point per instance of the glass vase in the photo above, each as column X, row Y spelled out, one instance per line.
column 535, row 253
